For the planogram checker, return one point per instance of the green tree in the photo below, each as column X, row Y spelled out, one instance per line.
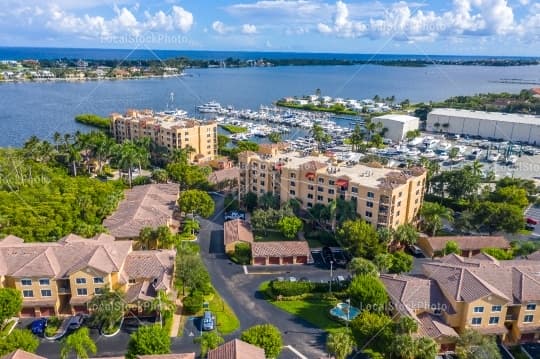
column 493, row 217
column 274, row 137
column 191, row 273
column 383, row 261
column 196, row 202
column 360, row 238
column 148, row 339
column 403, row 347
column 261, row 220
column 107, row 309
column 426, row 348
column 432, row 215
column 319, row 135
column 290, row 226
column 10, row 303
column 401, row 262
column 160, row 175
column 361, row 266
column 372, row 331
column 406, row 234
column 513, row 195
column 473, row 345
column 208, row 341
column 340, row 344
column 80, row 343
column 368, row 293
column 265, row 336
column 451, row 247
column 250, row 201
column 268, row 201
column 19, row 339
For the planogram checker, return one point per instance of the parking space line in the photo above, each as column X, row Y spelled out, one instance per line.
column 300, row 355
column 245, row 269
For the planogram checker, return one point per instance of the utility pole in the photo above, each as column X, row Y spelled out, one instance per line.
column 331, row 274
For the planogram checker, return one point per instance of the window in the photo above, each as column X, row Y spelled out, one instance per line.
column 82, row 291
column 310, row 205
column 354, row 199
column 369, row 214
column 531, row 306
column 320, row 189
column 26, row 281
column 400, row 194
column 369, row 204
column 496, row 308
column 292, row 192
column 528, row 318
column 331, row 182
column 99, row 280
column 28, row 293
column 371, row 195
column 321, row 180
column 131, row 281
column 493, row 320
column 310, row 195
column 354, row 189
column 98, row 290
column 397, row 214
column 310, row 187
column 80, row 280
column 293, row 184
column 320, row 198
column 330, row 191
column 398, row 204
column 476, row 321
column 46, row 293
column 293, row 175
column 44, row 282
column 478, row 309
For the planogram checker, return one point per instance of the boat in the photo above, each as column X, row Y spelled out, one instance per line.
column 511, row 160
column 443, row 156
column 210, row 107
column 428, row 154
column 175, row 113
column 475, row 154
column 494, row 157
column 443, row 146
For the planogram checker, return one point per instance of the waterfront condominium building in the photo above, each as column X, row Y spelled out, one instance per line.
column 385, row 197
column 168, row 131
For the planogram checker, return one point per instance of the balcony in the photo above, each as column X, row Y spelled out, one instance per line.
column 382, row 219
column 64, row 290
column 511, row 317
column 385, row 200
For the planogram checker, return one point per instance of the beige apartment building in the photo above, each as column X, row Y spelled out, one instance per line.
column 496, row 298
column 60, row 278
column 385, row 197
column 168, row 131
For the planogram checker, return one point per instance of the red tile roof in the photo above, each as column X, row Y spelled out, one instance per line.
column 236, row 349
column 280, row 249
column 21, row 354
column 237, row 230
column 469, row 242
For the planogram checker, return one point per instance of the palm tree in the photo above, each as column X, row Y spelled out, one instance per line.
column 386, row 235
column 406, row 234
column 356, row 138
column 403, row 346
column 475, row 168
column 318, row 134
column 432, row 215
column 426, row 348
column 80, row 343
column 143, row 152
column 108, row 309
column 57, row 138
column 340, row 344
column 128, row 156
column 163, row 305
column 146, row 235
column 74, row 157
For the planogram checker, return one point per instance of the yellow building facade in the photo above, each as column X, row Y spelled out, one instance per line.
column 167, row 131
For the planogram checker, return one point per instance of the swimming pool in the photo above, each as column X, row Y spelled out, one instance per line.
column 345, row 311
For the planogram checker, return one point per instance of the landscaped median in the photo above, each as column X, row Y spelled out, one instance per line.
column 308, row 301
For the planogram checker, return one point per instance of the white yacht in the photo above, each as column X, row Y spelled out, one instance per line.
column 210, row 107
column 443, row 156
column 443, row 146
column 511, row 160
column 429, row 154
column 176, row 113
column 494, row 157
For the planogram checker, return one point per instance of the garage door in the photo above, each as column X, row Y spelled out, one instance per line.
column 525, row 338
column 273, row 260
column 46, row 311
column 82, row 309
column 301, row 259
column 259, row 260
column 27, row 312
column 288, row 260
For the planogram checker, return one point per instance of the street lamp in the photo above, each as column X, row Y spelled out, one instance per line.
column 331, row 274
column 348, row 311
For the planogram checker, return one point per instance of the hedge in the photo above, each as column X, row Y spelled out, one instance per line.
column 193, row 302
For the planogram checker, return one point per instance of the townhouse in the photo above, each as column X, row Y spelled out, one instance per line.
column 496, row 298
column 384, row 197
column 167, row 130
column 60, row 278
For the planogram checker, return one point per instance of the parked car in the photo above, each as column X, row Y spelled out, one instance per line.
column 38, row 326
column 235, row 215
column 529, row 227
column 532, row 221
column 76, row 321
column 208, row 321
column 415, row 251
column 328, row 256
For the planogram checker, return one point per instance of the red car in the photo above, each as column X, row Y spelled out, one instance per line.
column 532, row 221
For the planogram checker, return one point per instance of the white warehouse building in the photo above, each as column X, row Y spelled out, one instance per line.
column 397, row 125
column 494, row 125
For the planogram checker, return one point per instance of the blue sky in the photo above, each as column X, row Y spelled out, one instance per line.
column 462, row 27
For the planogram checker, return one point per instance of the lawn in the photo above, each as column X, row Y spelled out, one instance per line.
column 314, row 310
column 233, row 128
column 227, row 322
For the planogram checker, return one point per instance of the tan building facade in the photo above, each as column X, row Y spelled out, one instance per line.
column 385, row 197
column 60, row 278
column 495, row 298
column 167, row 131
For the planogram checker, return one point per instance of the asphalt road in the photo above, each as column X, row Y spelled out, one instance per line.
column 240, row 291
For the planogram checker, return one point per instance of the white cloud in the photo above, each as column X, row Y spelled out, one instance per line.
column 221, row 28
column 249, row 29
column 182, row 19
column 323, row 28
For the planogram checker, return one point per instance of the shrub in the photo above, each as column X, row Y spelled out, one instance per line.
column 289, row 289
column 53, row 323
column 241, row 254
column 193, row 302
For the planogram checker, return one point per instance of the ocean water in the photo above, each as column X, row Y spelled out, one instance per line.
column 41, row 108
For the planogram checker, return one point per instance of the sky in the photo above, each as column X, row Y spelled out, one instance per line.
column 454, row 27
